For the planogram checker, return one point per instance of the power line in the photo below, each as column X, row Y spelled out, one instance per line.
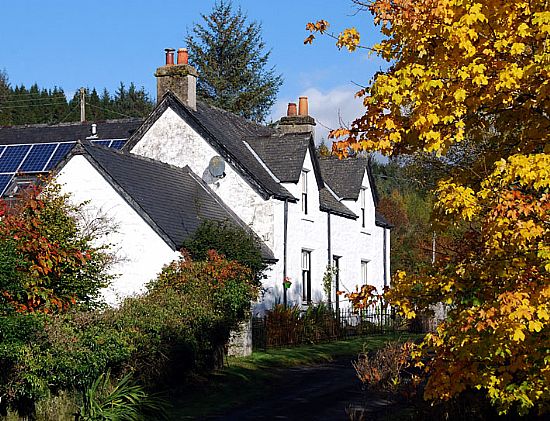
column 12, row 101
column 111, row 111
column 68, row 114
column 33, row 105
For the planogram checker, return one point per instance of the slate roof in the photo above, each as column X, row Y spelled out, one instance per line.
column 43, row 133
column 225, row 132
column 344, row 176
column 264, row 157
column 173, row 200
column 328, row 203
column 283, row 154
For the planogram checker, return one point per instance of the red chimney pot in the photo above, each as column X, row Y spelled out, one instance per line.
column 169, row 56
column 291, row 111
column 183, row 56
column 303, row 107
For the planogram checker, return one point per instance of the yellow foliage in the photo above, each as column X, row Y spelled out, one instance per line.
column 455, row 62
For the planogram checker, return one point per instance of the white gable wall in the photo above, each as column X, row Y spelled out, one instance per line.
column 141, row 252
column 171, row 140
column 370, row 238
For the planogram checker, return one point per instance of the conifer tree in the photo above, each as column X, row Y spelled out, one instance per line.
column 230, row 56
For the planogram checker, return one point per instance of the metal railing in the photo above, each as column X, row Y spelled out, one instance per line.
column 280, row 330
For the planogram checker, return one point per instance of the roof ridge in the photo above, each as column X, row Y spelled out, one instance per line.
column 138, row 157
column 232, row 114
column 71, row 123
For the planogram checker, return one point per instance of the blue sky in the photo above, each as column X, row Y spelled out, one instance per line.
column 100, row 43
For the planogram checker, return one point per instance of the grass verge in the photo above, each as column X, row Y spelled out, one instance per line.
column 247, row 378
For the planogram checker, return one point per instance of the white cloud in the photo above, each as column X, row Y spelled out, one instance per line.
column 331, row 109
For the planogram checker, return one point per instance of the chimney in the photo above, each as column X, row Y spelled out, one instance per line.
column 180, row 78
column 303, row 107
column 291, row 112
column 297, row 122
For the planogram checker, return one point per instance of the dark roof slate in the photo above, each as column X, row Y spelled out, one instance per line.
column 43, row 133
column 344, row 176
column 328, row 203
column 283, row 154
column 225, row 132
column 173, row 199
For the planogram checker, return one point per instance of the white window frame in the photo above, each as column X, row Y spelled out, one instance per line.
column 306, row 276
column 363, row 203
column 364, row 271
column 304, row 179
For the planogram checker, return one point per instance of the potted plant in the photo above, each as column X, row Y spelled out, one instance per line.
column 286, row 282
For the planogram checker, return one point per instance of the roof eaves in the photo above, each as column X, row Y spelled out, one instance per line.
column 260, row 161
column 315, row 162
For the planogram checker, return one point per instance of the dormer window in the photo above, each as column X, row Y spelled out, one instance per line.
column 304, row 191
column 363, row 201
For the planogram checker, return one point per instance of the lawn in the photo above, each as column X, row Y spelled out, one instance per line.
column 245, row 379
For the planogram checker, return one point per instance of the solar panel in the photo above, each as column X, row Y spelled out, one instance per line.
column 37, row 158
column 60, row 153
column 13, row 157
column 4, row 181
column 118, row 144
column 102, row 142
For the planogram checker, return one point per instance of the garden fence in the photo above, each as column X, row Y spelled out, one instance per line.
column 305, row 328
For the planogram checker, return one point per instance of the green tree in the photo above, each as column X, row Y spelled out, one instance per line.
column 229, row 240
column 230, row 56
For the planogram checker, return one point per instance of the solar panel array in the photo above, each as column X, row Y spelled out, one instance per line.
column 38, row 158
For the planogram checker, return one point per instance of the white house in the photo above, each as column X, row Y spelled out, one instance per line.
column 311, row 213
column 189, row 161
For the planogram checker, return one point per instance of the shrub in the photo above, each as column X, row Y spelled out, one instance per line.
column 233, row 242
column 178, row 327
column 48, row 263
column 384, row 370
column 123, row 400
column 290, row 325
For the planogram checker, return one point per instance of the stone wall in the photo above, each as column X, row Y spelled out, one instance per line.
column 240, row 342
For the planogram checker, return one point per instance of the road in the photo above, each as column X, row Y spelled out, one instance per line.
column 321, row 392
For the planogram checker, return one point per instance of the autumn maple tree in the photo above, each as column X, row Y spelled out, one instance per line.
column 471, row 72
column 48, row 262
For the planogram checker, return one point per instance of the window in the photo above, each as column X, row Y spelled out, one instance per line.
column 304, row 192
column 306, row 276
column 364, row 272
column 362, row 198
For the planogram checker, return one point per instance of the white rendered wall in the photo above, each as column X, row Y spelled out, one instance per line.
column 140, row 252
column 173, row 141
column 348, row 240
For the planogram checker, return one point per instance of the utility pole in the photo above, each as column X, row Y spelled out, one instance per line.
column 82, row 105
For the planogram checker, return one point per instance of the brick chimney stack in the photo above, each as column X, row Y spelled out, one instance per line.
column 297, row 121
column 180, row 78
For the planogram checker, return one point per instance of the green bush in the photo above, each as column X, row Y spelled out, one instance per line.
column 231, row 241
column 179, row 327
